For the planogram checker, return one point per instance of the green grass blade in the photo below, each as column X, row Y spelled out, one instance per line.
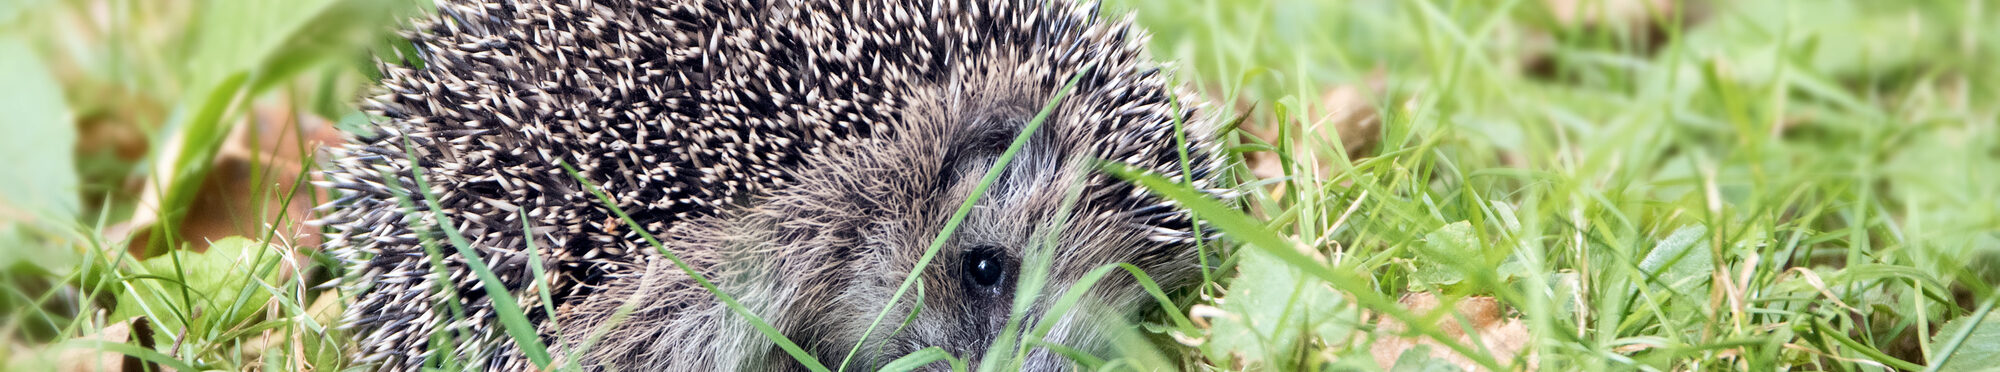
column 922, row 358
column 512, row 318
column 1256, row 235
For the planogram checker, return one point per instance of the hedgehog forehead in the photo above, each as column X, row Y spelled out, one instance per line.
column 1110, row 115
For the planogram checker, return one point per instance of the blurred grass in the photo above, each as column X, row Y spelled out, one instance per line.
column 1752, row 185
column 1806, row 152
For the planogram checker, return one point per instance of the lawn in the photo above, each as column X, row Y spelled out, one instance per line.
column 1425, row 185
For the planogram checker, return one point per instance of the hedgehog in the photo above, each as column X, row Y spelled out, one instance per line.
column 801, row 154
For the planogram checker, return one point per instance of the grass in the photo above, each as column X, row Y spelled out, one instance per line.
column 1746, row 185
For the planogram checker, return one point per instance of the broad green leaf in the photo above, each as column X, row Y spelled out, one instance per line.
column 1270, row 306
column 1981, row 349
column 218, row 282
column 237, row 35
column 1440, row 258
column 36, row 152
column 1680, row 261
column 281, row 37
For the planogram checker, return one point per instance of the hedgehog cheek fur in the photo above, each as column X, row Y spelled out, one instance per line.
column 961, row 311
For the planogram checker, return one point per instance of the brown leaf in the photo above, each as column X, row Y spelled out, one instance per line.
column 1591, row 13
column 1504, row 337
column 1345, row 115
column 253, row 186
column 88, row 359
column 1646, row 20
column 1352, row 117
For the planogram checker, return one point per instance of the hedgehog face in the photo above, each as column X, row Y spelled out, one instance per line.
column 969, row 287
column 897, row 193
column 821, row 257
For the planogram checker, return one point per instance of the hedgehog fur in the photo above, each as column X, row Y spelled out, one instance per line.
column 801, row 153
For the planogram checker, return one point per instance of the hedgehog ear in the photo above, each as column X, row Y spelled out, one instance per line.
column 994, row 129
column 994, row 139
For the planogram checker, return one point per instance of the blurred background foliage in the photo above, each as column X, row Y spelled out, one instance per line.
column 1508, row 184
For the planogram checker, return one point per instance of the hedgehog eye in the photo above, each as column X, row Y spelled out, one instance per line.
column 984, row 267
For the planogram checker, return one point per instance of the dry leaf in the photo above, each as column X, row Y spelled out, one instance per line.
column 1352, row 117
column 253, row 187
column 88, row 359
column 1504, row 337
column 1646, row 20
column 1346, row 114
column 1590, row 13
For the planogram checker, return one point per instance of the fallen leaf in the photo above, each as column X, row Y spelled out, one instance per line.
column 1351, row 114
column 1645, row 20
column 253, row 188
column 1506, row 338
column 1346, row 116
column 1590, row 13
column 86, row 359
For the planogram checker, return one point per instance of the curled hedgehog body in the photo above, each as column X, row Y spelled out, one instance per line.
column 803, row 154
